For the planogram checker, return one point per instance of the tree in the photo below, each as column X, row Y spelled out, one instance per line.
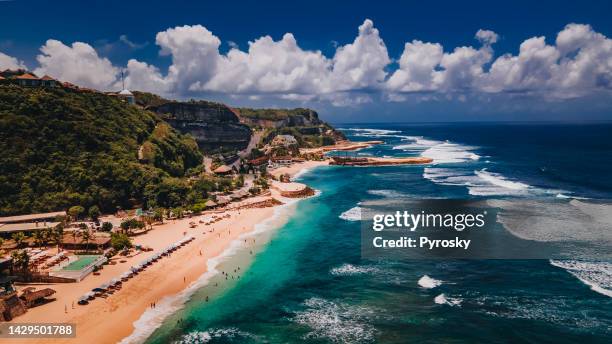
column 87, row 236
column 57, row 235
column 38, row 237
column 19, row 238
column 76, row 211
column 94, row 212
column 120, row 241
column 21, row 260
column 107, row 227
column 158, row 215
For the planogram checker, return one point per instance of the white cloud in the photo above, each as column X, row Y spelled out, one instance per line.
column 269, row 67
column 9, row 62
column 416, row 68
column 362, row 63
column 195, row 55
column 277, row 68
column 580, row 63
column 577, row 63
column 142, row 76
column 79, row 64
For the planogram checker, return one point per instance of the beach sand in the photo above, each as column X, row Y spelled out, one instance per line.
column 112, row 319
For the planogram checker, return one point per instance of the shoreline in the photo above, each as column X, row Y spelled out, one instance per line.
column 125, row 312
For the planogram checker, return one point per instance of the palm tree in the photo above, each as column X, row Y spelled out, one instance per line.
column 21, row 260
column 57, row 235
column 38, row 237
column 86, row 237
column 19, row 238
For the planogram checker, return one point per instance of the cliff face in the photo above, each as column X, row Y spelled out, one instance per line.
column 213, row 125
column 279, row 118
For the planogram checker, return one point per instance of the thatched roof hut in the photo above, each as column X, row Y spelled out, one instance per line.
column 31, row 298
column 223, row 169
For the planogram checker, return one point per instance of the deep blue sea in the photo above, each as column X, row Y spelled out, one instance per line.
column 309, row 283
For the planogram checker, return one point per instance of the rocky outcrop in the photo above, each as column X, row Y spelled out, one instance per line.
column 279, row 118
column 213, row 125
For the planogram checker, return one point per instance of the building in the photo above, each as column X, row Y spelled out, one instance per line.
column 223, row 170
column 32, row 217
column 284, row 140
column 127, row 96
column 27, row 79
column 22, row 77
column 48, row 81
column 6, row 229
column 282, row 160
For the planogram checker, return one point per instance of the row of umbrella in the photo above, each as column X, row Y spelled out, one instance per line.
column 116, row 282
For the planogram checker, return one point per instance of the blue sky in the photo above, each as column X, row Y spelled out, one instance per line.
column 358, row 74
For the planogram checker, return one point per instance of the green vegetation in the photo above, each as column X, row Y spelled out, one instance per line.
column 106, row 227
column 128, row 225
column 147, row 99
column 304, row 140
column 278, row 114
column 62, row 148
column 120, row 241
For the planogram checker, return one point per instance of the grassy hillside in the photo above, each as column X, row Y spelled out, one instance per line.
column 61, row 148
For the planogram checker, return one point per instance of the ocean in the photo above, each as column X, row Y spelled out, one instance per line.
column 307, row 281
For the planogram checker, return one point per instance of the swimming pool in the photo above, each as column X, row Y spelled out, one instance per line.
column 82, row 262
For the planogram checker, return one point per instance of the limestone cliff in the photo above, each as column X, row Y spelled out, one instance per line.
column 214, row 126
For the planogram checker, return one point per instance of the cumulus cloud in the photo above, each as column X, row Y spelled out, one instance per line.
column 577, row 63
column 360, row 64
column 79, row 64
column 269, row 67
column 9, row 62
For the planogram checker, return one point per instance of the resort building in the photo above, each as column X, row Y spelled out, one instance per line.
column 284, row 140
column 282, row 161
column 28, row 227
column 22, row 77
column 223, row 170
column 32, row 217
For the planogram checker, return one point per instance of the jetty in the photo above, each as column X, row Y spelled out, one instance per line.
column 371, row 161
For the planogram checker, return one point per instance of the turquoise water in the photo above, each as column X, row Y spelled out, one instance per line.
column 310, row 283
column 82, row 262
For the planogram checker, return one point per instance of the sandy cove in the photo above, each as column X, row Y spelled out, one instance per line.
column 110, row 320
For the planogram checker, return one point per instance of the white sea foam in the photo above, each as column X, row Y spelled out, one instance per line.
column 479, row 183
column 597, row 275
column 353, row 214
column 350, row 270
column 387, row 193
column 499, row 180
column 217, row 334
column 336, row 322
column 428, row 282
column 443, row 300
column 151, row 319
column 442, row 152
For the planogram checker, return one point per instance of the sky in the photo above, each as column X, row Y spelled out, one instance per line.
column 352, row 61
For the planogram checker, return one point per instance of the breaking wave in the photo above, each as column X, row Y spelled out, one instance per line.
column 349, row 270
column 597, row 275
column 232, row 334
column 387, row 193
column 336, row 322
column 442, row 152
column 450, row 301
column 353, row 214
column 428, row 282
